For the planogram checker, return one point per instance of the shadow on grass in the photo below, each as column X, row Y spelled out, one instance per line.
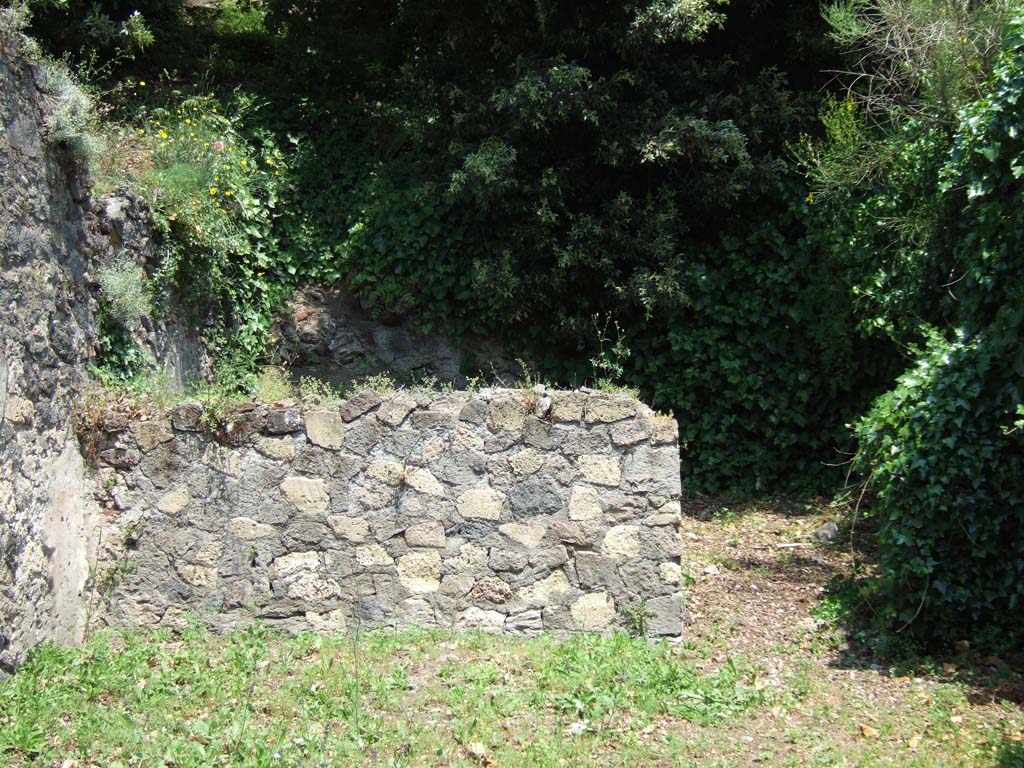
column 790, row 567
column 987, row 672
column 732, row 508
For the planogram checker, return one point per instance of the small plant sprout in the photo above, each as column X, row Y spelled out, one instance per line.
column 638, row 618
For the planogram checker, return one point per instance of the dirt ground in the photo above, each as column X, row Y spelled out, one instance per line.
column 757, row 582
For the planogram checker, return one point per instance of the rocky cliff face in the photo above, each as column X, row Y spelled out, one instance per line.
column 48, row 327
column 328, row 334
column 54, row 235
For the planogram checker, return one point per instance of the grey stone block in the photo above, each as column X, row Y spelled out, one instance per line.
column 504, row 560
column 362, row 403
column 284, row 421
column 667, row 616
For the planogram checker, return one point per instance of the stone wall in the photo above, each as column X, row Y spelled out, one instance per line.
column 392, row 521
column 48, row 324
column 507, row 510
column 53, row 237
column 331, row 335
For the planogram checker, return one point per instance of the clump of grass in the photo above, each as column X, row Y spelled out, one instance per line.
column 314, row 390
column 233, row 385
column 273, row 386
column 71, row 115
column 123, row 283
column 595, row 678
column 382, row 383
column 318, row 391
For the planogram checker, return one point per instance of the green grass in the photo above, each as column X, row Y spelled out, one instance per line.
column 255, row 698
column 431, row 698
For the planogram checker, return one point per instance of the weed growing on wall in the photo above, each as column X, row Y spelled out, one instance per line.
column 14, row 18
column 214, row 188
column 272, row 385
column 125, row 300
column 119, row 360
column 71, row 117
column 314, row 390
column 123, row 283
column 638, row 618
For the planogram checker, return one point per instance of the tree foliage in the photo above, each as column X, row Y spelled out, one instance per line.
column 518, row 168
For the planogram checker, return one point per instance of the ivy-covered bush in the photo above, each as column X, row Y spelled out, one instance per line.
column 944, row 451
column 946, row 463
column 761, row 364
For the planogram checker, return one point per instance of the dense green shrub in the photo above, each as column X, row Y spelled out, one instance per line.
column 914, row 65
column 946, row 464
column 761, row 364
column 99, row 34
column 944, row 451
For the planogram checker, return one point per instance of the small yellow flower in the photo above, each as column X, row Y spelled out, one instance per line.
column 229, row 193
column 188, row 122
column 213, row 191
column 142, row 83
column 242, row 163
column 142, row 131
column 163, row 134
column 269, row 161
column 810, row 197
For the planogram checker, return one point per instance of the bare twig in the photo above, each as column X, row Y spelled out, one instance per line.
column 924, row 594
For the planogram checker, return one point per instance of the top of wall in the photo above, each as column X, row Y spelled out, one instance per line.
column 123, row 438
